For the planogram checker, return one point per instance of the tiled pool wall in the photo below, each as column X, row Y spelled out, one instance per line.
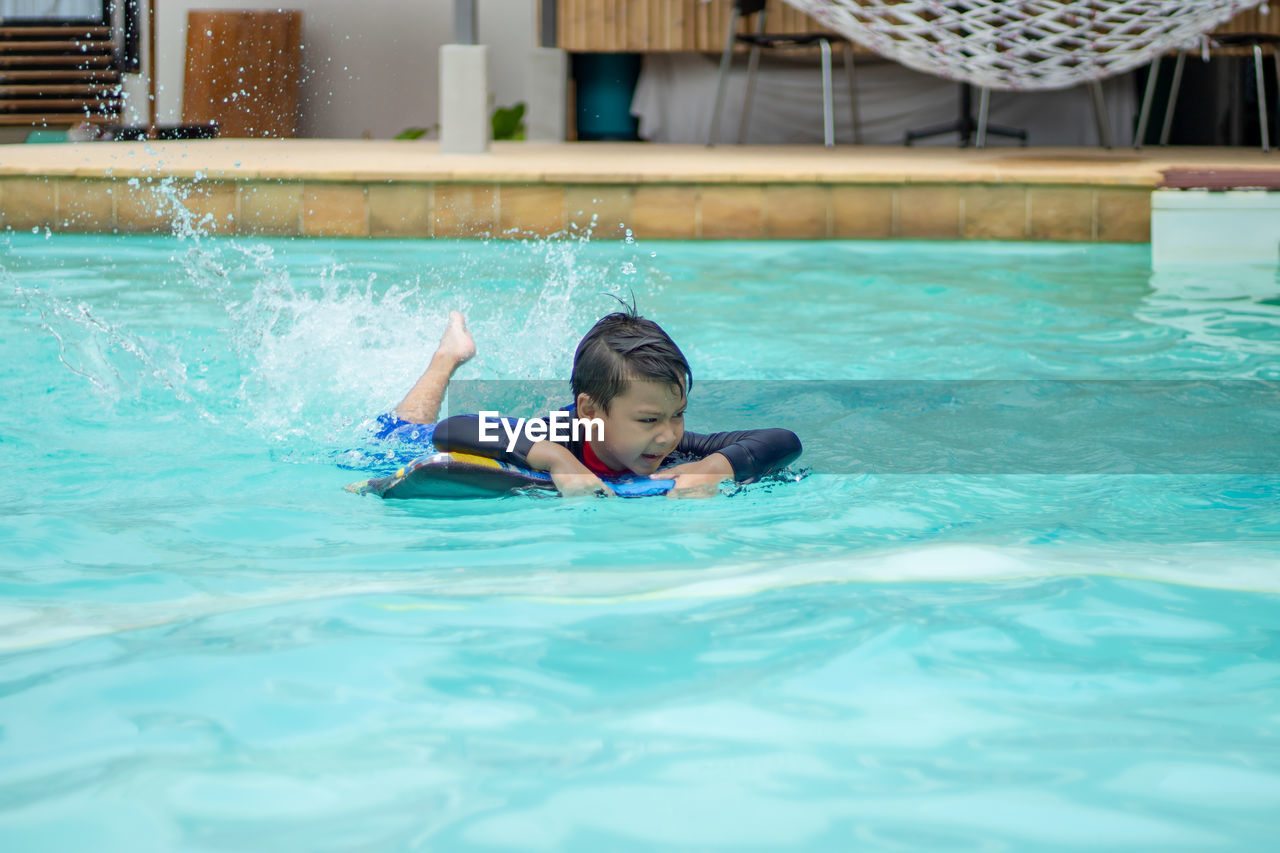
column 690, row 210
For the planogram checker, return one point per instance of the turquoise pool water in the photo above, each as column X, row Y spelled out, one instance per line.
column 206, row 644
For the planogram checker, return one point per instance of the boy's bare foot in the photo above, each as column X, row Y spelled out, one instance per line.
column 422, row 404
column 456, row 340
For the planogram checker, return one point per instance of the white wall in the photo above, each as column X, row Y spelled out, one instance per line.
column 369, row 66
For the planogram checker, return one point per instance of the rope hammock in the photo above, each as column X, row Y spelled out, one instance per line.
column 1034, row 44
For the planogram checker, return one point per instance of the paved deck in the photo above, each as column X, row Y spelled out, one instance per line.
column 387, row 189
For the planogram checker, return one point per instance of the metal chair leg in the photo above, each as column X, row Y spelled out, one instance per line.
column 753, row 65
column 1262, row 99
column 853, row 90
column 984, row 107
column 828, row 105
column 1173, row 98
column 1100, row 117
column 1277, row 58
column 1145, row 113
column 726, row 59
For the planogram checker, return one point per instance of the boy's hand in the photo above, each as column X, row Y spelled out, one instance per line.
column 571, row 477
column 575, row 484
column 699, row 479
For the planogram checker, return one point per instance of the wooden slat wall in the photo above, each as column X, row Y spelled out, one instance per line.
column 58, row 76
column 658, row 26
column 1250, row 21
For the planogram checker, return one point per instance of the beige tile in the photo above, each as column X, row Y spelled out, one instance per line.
column 143, row 205
column 862, row 211
column 1061, row 213
column 536, row 209
column 29, row 203
column 665, row 210
column 211, row 206
column 1124, row 215
column 994, row 212
column 86, row 205
column 732, row 212
column 604, row 209
column 334, row 210
column 465, row 210
column 270, row 207
column 796, row 211
column 400, row 210
column 930, row 212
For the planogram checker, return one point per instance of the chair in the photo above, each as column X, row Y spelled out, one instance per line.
column 1253, row 41
column 964, row 125
column 759, row 40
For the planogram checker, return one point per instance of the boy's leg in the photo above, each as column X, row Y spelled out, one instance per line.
column 422, row 404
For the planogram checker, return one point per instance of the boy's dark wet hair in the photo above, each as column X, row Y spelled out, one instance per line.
column 623, row 347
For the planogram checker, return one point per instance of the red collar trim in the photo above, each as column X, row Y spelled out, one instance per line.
column 594, row 465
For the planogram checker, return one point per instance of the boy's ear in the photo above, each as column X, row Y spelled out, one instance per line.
column 587, row 407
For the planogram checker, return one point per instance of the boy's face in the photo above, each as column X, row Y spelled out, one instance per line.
column 641, row 428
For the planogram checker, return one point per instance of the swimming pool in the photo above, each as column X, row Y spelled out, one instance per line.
column 205, row 643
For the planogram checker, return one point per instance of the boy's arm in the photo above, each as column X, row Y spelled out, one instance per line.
column 751, row 453
column 462, row 433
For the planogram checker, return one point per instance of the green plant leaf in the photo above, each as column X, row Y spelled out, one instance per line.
column 508, row 123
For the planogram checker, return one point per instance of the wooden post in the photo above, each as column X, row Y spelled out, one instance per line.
column 152, row 133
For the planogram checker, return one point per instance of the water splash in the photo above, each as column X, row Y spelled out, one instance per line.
column 113, row 360
column 313, row 345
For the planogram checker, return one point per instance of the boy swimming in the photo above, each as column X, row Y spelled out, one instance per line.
column 628, row 374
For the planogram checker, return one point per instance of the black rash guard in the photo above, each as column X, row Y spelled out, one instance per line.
column 753, row 453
